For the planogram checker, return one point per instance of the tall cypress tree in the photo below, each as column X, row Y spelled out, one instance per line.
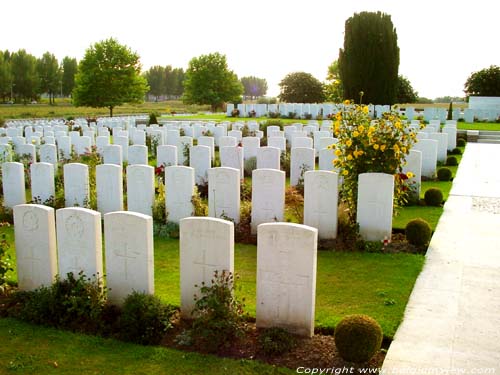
column 369, row 61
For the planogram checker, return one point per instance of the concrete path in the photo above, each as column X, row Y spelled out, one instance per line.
column 452, row 320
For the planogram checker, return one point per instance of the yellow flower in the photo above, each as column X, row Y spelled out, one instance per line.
column 355, row 133
column 365, row 109
column 348, row 143
column 396, row 148
column 347, row 102
column 349, row 157
column 397, row 125
column 338, row 116
column 336, row 161
column 410, row 175
column 345, row 172
column 375, row 146
column 338, row 152
column 371, row 129
column 361, row 128
column 382, row 148
column 403, row 150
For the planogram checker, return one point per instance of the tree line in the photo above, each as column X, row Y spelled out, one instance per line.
column 23, row 77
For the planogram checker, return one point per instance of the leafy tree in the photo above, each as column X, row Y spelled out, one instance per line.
column 174, row 78
column 108, row 76
column 369, row 61
column 405, row 91
column 5, row 75
column 485, row 82
column 25, row 76
column 69, row 68
column 156, row 80
column 300, row 87
column 208, row 80
column 448, row 99
column 49, row 73
column 254, row 87
column 333, row 87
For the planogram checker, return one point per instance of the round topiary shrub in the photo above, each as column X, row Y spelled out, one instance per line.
column 456, row 151
column 451, row 160
column 433, row 197
column 358, row 338
column 418, row 232
column 444, row 174
column 461, row 142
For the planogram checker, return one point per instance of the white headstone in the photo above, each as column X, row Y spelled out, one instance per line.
column 302, row 142
column 64, row 147
column 35, row 238
column 14, row 191
column 206, row 245
column 224, row 193
column 42, row 182
column 5, row 153
column 250, row 146
column 76, row 184
column 79, row 242
column 112, row 154
column 268, row 196
column 278, row 142
column 109, row 188
column 268, row 157
column 48, row 154
column 326, row 158
column 442, row 139
column 232, row 157
column 123, row 142
column 301, row 160
column 140, row 188
column 183, row 146
column 137, row 154
column 414, row 165
column 286, row 277
column 429, row 149
column 166, row 155
column 129, row 254
column 83, row 145
column 101, row 142
column 375, row 206
column 201, row 161
column 208, row 141
column 452, row 136
column 228, row 141
column 27, row 151
column 179, row 185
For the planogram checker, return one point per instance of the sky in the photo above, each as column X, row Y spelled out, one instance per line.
column 441, row 42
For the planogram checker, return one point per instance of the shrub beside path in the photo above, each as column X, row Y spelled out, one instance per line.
column 452, row 320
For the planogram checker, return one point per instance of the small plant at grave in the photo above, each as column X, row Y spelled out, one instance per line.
column 456, row 151
column 200, row 208
column 348, row 232
column 300, row 181
column 5, row 261
column 6, row 213
column 159, row 210
column 358, row 338
column 145, row 319
column 444, row 174
column 272, row 114
column 203, row 189
column 235, row 113
column 153, row 118
column 74, row 303
column 219, row 318
column 307, row 116
column 207, row 133
column 294, row 201
column 243, row 229
column 249, row 165
column 276, row 341
column 451, row 161
column 252, row 113
column 418, row 232
column 433, row 197
column 168, row 230
column 292, row 115
column 245, row 191
column 285, row 162
column 186, row 150
column 461, row 142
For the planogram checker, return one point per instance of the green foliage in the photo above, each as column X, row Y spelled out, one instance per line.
column 168, row 230
column 456, row 151
column 249, row 165
column 433, row 197
column 144, row 319
column 69, row 68
column 333, row 87
column 451, row 161
column 300, row 87
column 418, row 232
column 404, row 91
column 461, row 142
column 485, row 82
column 276, row 341
column 449, row 116
column 5, row 75
column 159, row 208
column 285, row 162
column 75, row 303
column 165, row 81
column 358, row 338
column 208, row 80
column 254, row 87
column 369, row 61
column 49, row 74
column 153, row 118
column 200, row 208
column 25, row 78
column 218, row 314
column 108, row 76
column 444, row 174
column 5, row 262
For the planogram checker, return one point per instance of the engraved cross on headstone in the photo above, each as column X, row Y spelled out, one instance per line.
column 127, row 254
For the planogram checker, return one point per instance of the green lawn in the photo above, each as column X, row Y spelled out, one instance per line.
column 28, row 349
column 478, row 126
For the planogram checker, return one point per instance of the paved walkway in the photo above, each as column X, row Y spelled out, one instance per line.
column 452, row 320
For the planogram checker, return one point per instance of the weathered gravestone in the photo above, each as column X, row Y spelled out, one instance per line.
column 179, row 186
column 35, row 239
column 268, row 157
column 129, row 254
column 268, row 196
column 166, row 155
column 286, row 277
column 301, row 160
column 138, row 155
column 140, row 188
column 76, row 184
column 42, row 183
column 224, row 193
column 206, row 245
column 14, row 191
column 109, row 188
column 201, row 161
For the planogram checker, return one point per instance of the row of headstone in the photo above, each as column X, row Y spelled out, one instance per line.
column 42, row 251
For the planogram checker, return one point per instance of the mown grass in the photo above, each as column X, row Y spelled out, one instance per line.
column 347, row 283
column 28, row 349
column 490, row 126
